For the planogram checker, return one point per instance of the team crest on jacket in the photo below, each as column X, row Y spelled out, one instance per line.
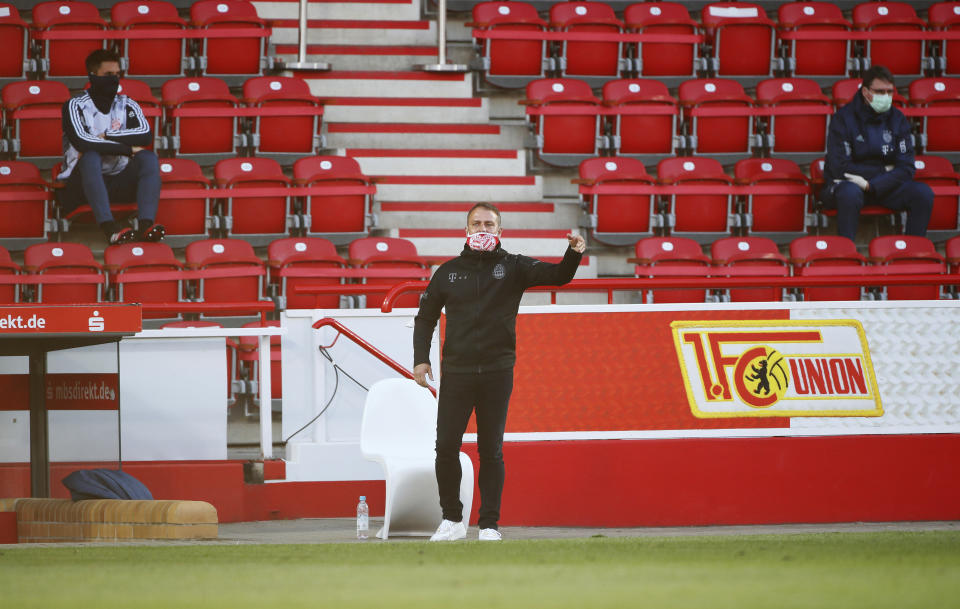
column 499, row 271
column 887, row 136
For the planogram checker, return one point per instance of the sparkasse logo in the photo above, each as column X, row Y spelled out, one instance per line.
column 784, row 368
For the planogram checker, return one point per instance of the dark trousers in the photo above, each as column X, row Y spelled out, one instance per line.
column 460, row 394
column 139, row 181
column 915, row 198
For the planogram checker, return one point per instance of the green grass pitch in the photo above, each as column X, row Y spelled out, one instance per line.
column 844, row 570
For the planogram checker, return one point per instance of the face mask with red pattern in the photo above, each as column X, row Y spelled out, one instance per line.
column 483, row 242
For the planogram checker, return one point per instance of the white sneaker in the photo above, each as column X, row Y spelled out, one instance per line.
column 450, row 531
column 489, row 535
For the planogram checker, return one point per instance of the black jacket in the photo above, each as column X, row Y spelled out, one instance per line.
column 862, row 142
column 481, row 292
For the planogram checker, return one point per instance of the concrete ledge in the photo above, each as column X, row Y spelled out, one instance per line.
column 62, row 520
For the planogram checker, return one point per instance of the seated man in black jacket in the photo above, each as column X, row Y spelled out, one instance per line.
column 870, row 159
column 105, row 136
column 480, row 290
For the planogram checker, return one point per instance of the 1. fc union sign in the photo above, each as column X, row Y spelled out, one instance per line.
column 784, row 368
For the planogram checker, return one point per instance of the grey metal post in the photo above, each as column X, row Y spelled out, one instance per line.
column 442, row 65
column 301, row 63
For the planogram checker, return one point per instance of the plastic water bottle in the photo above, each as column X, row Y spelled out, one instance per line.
column 363, row 518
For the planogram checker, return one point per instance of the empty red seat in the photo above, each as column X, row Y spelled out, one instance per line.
column 340, row 213
column 941, row 133
column 828, row 255
column 659, row 59
column 671, row 257
column 73, row 259
column 618, row 219
column 565, row 116
column 953, row 256
column 803, row 133
column 588, row 59
column 152, row 56
column 67, row 57
column 646, row 119
column 23, row 219
column 200, row 134
column 945, row 16
column 811, row 58
column 139, row 272
column 907, row 255
column 248, row 361
column 937, row 171
column 778, row 216
column 14, row 62
column 749, row 257
column 742, row 38
column 300, row 261
column 230, row 272
column 9, row 292
column 899, row 56
column 714, row 135
column 283, row 134
column 708, row 216
column 230, row 56
column 386, row 253
column 510, row 63
column 248, row 216
column 183, row 217
column 32, row 117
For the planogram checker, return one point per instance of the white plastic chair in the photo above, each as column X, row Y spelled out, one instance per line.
column 399, row 431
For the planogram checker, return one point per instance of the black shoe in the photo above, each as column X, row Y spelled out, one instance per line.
column 154, row 233
column 124, row 235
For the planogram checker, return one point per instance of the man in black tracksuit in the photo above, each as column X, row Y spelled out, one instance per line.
column 870, row 159
column 481, row 291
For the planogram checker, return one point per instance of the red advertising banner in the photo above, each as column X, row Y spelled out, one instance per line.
column 70, row 319
column 71, row 391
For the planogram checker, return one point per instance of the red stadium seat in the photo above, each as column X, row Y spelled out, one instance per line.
column 663, row 59
column 899, row 56
column 706, row 217
column 671, row 257
column 907, row 255
column 749, row 257
column 9, row 293
column 151, row 57
column 637, row 133
column 618, row 219
column 14, row 62
column 183, row 218
column 945, row 16
column 65, row 258
column 129, row 262
column 283, row 134
column 938, row 171
column 568, row 131
column 230, row 56
column 510, row 63
column 140, row 92
column 777, row 216
column 386, row 253
column 200, row 134
column 842, row 92
column 344, row 215
column 245, row 283
column 824, row 256
column 596, row 60
column 817, row 58
column 26, row 220
column 248, row 361
column 742, row 39
column 292, row 263
column 804, row 133
column 953, row 256
column 66, row 57
column 940, row 133
column 713, row 135
column 254, row 216
column 38, row 136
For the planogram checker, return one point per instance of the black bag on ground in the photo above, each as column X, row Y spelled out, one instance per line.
column 104, row 484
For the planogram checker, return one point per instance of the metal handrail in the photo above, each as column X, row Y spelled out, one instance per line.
column 366, row 346
column 611, row 285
